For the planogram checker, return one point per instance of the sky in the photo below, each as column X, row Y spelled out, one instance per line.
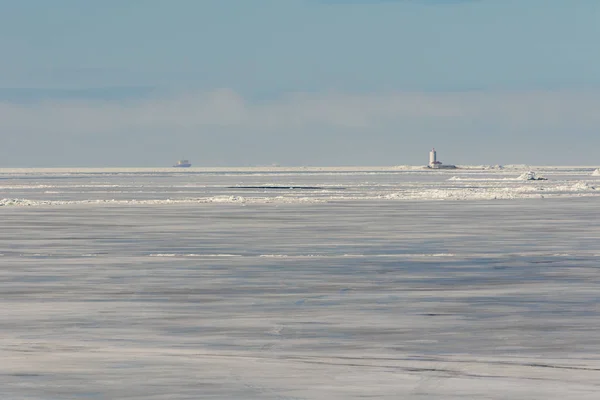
column 143, row 83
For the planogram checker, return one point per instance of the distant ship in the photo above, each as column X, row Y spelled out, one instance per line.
column 182, row 164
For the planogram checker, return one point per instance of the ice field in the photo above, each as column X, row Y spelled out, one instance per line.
column 31, row 187
column 300, row 283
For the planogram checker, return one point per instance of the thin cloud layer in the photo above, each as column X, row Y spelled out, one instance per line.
column 318, row 111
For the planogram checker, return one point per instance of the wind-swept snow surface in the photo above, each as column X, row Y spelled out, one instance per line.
column 156, row 284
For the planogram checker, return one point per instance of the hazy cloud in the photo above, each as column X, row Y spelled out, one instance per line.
column 227, row 108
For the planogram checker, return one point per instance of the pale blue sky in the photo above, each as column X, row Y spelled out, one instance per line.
column 298, row 82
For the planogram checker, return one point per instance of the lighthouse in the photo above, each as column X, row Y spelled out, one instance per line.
column 432, row 157
column 434, row 163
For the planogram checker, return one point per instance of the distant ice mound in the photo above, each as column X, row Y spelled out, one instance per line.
column 483, row 167
column 530, row 176
column 596, row 172
column 582, row 186
column 517, row 166
column 493, row 167
column 227, row 199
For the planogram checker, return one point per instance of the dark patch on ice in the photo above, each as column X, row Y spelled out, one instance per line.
column 436, row 315
column 286, row 187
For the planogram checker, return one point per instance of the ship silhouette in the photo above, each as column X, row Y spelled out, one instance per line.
column 182, row 164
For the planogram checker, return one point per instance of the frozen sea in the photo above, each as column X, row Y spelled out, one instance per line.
column 300, row 283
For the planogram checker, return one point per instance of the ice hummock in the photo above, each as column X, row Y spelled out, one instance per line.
column 530, row 176
column 596, row 172
column 582, row 186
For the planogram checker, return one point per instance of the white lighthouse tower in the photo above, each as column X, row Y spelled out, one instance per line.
column 434, row 163
column 432, row 157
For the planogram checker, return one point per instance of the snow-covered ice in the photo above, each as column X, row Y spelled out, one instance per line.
column 396, row 283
